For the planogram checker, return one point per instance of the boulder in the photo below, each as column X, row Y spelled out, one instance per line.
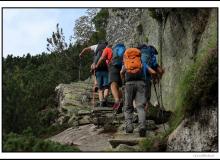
column 199, row 135
column 150, row 125
column 84, row 120
column 129, row 142
column 157, row 114
column 126, row 148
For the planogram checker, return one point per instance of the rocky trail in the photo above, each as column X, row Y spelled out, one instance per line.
column 95, row 129
column 87, row 138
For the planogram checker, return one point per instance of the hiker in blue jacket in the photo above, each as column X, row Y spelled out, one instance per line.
column 152, row 69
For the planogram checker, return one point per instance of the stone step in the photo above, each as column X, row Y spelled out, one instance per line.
column 130, row 142
column 100, row 109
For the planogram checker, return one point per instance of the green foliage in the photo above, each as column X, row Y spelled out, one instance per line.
column 202, row 91
column 28, row 143
column 28, row 87
column 154, row 143
column 57, row 42
column 101, row 19
column 29, row 83
column 146, row 39
column 198, row 88
column 84, row 27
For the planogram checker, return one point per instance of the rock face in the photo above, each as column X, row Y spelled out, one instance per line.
column 196, row 135
column 72, row 100
column 180, row 36
column 69, row 95
column 131, row 26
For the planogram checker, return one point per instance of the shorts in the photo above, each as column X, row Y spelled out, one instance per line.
column 102, row 79
column 114, row 75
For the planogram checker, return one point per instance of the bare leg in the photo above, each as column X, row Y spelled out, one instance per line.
column 106, row 93
column 115, row 91
column 100, row 95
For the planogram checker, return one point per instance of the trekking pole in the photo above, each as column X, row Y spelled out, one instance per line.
column 80, row 67
column 158, row 100
column 162, row 107
column 161, row 96
column 156, row 93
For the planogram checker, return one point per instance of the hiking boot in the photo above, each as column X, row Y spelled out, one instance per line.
column 96, row 104
column 142, row 132
column 103, row 104
column 118, row 107
column 129, row 129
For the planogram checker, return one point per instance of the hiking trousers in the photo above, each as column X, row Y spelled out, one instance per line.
column 135, row 90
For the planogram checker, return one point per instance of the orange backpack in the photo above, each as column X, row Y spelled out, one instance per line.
column 132, row 60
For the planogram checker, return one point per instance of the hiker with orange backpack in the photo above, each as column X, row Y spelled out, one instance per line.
column 133, row 76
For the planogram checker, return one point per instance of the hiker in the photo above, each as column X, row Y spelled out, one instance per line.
column 152, row 70
column 91, row 49
column 133, row 76
column 114, row 58
column 101, row 72
column 106, row 56
column 114, row 75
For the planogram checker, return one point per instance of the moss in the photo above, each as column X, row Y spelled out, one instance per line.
column 146, row 39
column 198, row 87
column 100, row 21
column 199, row 83
column 28, row 143
column 140, row 29
column 154, row 143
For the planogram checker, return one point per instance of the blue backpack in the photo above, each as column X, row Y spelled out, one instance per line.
column 148, row 53
column 118, row 52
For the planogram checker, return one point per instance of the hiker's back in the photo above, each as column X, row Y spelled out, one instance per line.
column 134, row 90
column 148, row 58
column 133, row 65
column 98, row 53
column 148, row 53
column 118, row 52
